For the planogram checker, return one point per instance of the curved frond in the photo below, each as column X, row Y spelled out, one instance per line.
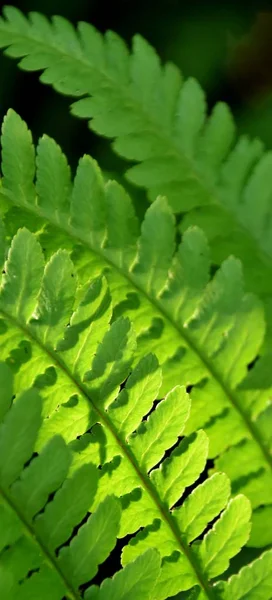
column 204, row 332
column 136, row 445
column 160, row 122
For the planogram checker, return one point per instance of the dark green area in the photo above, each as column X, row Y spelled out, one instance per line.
column 200, row 37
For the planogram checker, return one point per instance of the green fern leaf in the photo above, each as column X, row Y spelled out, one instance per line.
column 127, row 449
column 13, row 458
column 21, row 286
column 159, row 121
column 34, row 526
column 131, row 582
column 204, row 333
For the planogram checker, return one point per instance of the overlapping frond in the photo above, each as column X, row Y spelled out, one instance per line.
column 55, row 349
column 159, row 121
column 204, row 333
column 50, row 546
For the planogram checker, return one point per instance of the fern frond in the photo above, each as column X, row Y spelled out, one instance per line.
column 204, row 333
column 45, row 550
column 159, row 121
column 79, row 379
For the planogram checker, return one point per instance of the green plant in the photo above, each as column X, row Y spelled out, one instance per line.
column 76, row 346
column 159, row 121
column 203, row 333
column 74, row 372
column 35, row 527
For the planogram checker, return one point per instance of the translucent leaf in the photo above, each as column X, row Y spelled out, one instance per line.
column 217, row 548
column 53, row 178
column 136, row 398
column 93, row 543
column 56, row 524
column 163, row 427
column 20, row 425
column 135, row 581
column 43, row 476
column 202, row 506
column 156, row 250
column 181, row 468
column 23, row 273
column 56, row 298
column 19, row 160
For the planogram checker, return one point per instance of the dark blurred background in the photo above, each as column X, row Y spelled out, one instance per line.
column 226, row 45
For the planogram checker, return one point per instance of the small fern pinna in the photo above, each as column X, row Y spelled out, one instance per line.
column 125, row 365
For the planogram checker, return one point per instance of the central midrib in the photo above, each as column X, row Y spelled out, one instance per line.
column 183, row 333
column 151, row 490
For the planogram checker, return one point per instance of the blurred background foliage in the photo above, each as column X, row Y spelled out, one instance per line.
column 226, row 45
